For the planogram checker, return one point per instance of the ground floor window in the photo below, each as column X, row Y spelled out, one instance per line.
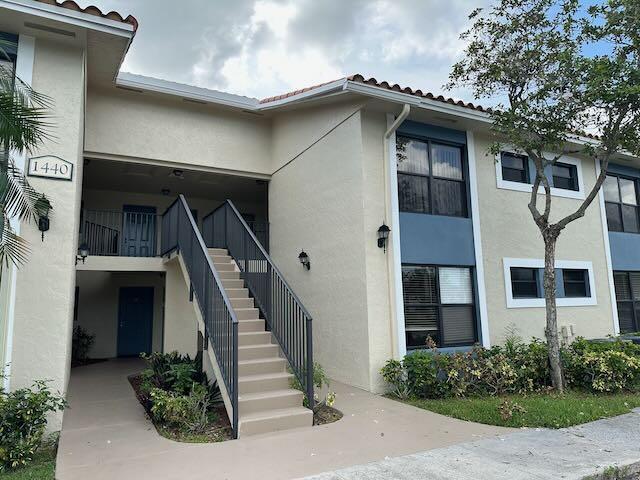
column 438, row 303
column 627, row 286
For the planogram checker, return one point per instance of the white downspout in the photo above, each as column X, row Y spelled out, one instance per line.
column 394, row 262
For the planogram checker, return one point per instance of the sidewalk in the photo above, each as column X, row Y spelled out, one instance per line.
column 570, row 453
column 106, row 435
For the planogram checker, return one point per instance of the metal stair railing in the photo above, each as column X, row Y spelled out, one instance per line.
column 285, row 315
column 181, row 234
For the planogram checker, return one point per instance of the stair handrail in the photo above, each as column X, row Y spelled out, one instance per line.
column 206, row 285
column 298, row 351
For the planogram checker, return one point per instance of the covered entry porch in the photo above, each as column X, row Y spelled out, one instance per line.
column 127, row 298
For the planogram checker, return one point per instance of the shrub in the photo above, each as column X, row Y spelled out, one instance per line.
column 602, row 367
column 320, row 380
column 81, row 344
column 187, row 413
column 23, row 419
column 395, row 375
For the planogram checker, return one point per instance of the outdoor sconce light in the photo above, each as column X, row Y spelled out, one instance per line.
column 43, row 219
column 304, row 260
column 83, row 251
column 383, row 235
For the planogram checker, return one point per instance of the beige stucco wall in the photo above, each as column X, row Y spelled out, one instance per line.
column 316, row 204
column 181, row 132
column 381, row 335
column 98, row 297
column 181, row 323
column 45, row 285
column 508, row 231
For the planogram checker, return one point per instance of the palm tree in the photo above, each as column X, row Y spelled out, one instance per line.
column 23, row 126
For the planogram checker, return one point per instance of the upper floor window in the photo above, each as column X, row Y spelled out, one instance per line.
column 515, row 168
column 8, row 51
column 431, row 178
column 514, row 172
column 565, row 176
column 621, row 204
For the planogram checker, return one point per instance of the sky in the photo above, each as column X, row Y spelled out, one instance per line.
column 260, row 48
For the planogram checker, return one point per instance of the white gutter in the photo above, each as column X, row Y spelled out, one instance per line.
column 392, row 212
column 156, row 85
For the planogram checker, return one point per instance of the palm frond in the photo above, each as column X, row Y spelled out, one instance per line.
column 18, row 198
column 24, row 113
column 13, row 248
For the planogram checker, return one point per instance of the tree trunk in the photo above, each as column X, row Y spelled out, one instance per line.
column 551, row 329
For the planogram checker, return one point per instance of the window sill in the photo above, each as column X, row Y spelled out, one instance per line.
column 526, row 187
column 560, row 302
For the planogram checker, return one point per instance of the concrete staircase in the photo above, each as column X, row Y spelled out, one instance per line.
column 266, row 401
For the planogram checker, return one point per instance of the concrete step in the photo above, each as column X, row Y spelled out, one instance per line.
column 237, row 292
column 224, row 267
column 221, row 258
column 261, row 365
column 218, row 251
column 263, row 382
column 274, row 420
column 253, row 338
column 242, row 302
column 246, row 326
column 269, row 400
column 254, row 352
column 247, row 313
column 229, row 283
column 230, row 275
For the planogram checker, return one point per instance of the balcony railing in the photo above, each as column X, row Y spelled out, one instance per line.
column 120, row 233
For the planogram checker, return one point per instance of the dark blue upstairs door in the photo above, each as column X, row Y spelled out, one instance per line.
column 135, row 321
column 139, row 231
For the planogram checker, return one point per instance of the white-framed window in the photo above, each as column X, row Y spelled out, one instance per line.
column 514, row 171
column 575, row 283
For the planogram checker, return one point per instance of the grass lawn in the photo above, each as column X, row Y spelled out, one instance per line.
column 42, row 468
column 534, row 410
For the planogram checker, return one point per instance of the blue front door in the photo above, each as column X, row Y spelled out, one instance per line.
column 135, row 321
column 139, row 231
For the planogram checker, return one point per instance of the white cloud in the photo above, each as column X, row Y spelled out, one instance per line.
column 266, row 47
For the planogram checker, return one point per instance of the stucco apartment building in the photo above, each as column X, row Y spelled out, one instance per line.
column 281, row 217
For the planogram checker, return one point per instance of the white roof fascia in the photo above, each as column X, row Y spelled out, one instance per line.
column 190, row 92
column 64, row 15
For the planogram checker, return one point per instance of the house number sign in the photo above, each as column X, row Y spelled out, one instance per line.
column 50, row 166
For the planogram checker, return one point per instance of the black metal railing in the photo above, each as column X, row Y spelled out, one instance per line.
column 286, row 317
column 180, row 233
column 119, row 233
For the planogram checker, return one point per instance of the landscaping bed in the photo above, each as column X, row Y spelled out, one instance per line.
column 325, row 414
column 510, row 385
column 218, row 428
column 179, row 399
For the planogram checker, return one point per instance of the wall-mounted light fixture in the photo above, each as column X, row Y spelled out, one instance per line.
column 165, row 191
column 43, row 219
column 304, row 260
column 83, row 252
column 383, row 235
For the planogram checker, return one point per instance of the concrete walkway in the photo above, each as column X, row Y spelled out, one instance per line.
column 106, row 435
column 570, row 453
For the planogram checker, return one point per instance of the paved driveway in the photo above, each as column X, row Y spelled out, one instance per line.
column 105, row 435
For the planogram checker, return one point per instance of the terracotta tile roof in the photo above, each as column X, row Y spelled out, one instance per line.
column 386, row 85
column 417, row 93
column 296, row 92
column 93, row 10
